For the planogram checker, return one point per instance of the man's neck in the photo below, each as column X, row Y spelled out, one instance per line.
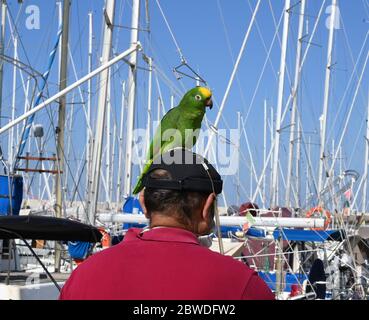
column 158, row 220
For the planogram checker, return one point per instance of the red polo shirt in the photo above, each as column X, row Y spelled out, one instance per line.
column 163, row 264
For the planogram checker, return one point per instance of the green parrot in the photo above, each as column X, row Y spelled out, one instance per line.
column 170, row 133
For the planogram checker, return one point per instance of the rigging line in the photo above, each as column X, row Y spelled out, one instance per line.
column 366, row 7
column 234, row 71
column 21, row 42
column 47, row 38
column 50, row 113
column 159, row 90
column 80, row 34
column 356, row 142
column 270, row 152
column 263, row 69
column 282, row 254
column 78, row 183
column 80, row 93
column 262, row 175
column 263, row 41
column 22, row 66
column 354, row 73
column 155, row 58
column 243, row 189
column 230, row 50
column 273, row 254
column 70, row 119
column 15, row 23
column 349, row 114
column 215, row 130
column 120, row 18
column 22, row 79
column 168, row 82
column 251, row 159
column 69, row 169
column 114, row 110
column 153, row 51
column 281, row 171
column 279, row 39
column 350, row 251
column 78, row 43
column 356, row 195
column 301, row 65
column 222, row 193
column 294, row 91
column 12, row 38
column 243, row 100
column 29, row 120
column 171, row 33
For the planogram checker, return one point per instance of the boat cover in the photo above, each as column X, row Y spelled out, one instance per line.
column 46, row 228
column 228, row 231
column 309, row 235
column 270, row 279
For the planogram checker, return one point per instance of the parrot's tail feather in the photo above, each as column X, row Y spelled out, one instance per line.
column 138, row 187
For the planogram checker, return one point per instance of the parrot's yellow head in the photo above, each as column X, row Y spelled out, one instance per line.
column 198, row 97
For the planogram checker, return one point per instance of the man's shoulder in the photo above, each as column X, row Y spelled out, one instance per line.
column 221, row 261
column 104, row 256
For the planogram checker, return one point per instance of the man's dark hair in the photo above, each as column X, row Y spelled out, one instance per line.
column 179, row 204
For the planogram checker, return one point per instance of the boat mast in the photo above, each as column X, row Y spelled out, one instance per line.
column 108, row 145
column 282, row 70
column 112, row 161
column 264, row 147
column 2, row 38
column 271, row 132
column 131, row 86
column 121, row 143
column 326, row 95
column 298, row 165
column 149, row 111
column 89, row 94
column 238, row 164
column 294, row 104
column 308, row 174
column 101, row 110
column 61, row 122
column 366, row 161
column 11, row 145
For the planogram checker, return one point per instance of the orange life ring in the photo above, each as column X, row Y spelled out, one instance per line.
column 326, row 213
column 106, row 240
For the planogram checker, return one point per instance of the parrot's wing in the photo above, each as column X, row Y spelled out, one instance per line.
column 158, row 144
column 169, row 121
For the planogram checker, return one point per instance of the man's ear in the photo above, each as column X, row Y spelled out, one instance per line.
column 206, row 211
column 141, row 199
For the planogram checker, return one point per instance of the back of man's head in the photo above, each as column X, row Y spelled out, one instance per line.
column 178, row 184
column 177, row 204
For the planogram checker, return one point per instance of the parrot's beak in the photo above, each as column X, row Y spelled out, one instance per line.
column 209, row 103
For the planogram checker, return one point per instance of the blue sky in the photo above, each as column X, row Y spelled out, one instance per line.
column 209, row 33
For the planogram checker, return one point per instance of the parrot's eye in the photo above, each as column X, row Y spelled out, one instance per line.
column 198, row 97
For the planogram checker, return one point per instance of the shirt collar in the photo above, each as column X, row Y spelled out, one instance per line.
column 164, row 234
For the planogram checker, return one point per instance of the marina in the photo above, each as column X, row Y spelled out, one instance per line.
column 85, row 85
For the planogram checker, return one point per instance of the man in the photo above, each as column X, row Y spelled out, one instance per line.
column 166, row 261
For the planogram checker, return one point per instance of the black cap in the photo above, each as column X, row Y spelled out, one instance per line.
column 189, row 171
